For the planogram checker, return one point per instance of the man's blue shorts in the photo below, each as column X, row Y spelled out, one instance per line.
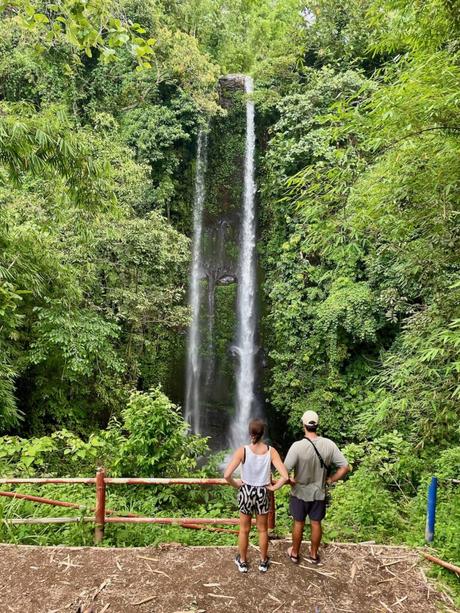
column 299, row 509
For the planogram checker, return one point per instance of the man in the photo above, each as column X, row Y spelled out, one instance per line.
column 310, row 459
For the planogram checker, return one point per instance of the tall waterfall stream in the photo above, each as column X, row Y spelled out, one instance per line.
column 194, row 362
column 214, row 268
column 247, row 286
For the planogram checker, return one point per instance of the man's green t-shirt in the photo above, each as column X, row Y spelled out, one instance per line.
column 310, row 477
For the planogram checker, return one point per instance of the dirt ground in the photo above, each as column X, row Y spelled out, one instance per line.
column 176, row 579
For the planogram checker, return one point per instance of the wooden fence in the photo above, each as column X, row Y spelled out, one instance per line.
column 103, row 516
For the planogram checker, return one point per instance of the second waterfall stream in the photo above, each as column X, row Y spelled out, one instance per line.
column 247, row 286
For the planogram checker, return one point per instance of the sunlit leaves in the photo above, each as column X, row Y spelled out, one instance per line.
column 415, row 25
column 87, row 26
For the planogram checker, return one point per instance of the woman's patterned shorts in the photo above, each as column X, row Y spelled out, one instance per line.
column 253, row 499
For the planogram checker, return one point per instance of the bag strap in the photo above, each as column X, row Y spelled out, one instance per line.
column 321, row 461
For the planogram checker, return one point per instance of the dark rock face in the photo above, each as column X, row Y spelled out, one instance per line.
column 228, row 86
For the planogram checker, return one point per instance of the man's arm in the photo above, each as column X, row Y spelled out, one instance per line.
column 341, row 462
column 339, row 474
column 290, row 462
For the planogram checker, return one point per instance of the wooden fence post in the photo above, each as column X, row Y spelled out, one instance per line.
column 100, row 506
column 271, row 511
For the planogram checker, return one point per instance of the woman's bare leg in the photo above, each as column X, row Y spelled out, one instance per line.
column 243, row 536
column 262, row 527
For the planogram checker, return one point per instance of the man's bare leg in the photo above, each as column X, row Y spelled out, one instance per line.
column 243, row 536
column 316, row 533
column 297, row 534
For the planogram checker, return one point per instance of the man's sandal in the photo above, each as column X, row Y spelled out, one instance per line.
column 294, row 559
column 313, row 560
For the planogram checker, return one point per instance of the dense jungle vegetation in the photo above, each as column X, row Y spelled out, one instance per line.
column 358, row 119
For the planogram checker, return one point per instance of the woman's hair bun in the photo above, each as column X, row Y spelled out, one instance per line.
column 256, row 429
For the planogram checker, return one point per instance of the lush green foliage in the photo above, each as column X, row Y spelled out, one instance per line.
column 243, row 34
column 360, row 191
column 148, row 439
column 92, row 153
column 357, row 107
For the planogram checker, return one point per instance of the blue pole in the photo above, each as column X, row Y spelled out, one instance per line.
column 431, row 510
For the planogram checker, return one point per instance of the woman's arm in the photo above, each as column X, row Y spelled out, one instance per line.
column 281, row 468
column 232, row 466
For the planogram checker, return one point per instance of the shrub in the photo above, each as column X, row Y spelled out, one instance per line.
column 362, row 510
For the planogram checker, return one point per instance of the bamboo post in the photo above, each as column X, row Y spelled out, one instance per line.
column 41, row 500
column 443, row 563
column 100, row 506
column 40, row 481
column 174, row 520
column 162, row 481
column 60, row 503
column 184, row 522
column 115, row 481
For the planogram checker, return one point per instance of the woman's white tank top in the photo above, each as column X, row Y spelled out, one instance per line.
column 256, row 468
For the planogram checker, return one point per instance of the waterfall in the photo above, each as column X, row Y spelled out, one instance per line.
column 245, row 347
column 194, row 366
column 223, row 363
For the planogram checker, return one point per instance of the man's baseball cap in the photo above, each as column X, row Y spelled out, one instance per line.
column 310, row 418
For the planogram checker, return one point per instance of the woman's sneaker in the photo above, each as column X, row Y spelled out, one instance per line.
column 263, row 565
column 242, row 566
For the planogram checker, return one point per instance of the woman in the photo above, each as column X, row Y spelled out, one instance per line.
column 253, row 487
